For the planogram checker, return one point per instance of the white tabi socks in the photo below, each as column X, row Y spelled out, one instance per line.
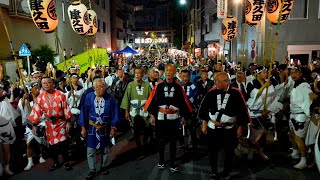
column 275, row 136
column 302, row 164
column 7, row 170
column 41, row 160
column 29, row 165
column 294, row 154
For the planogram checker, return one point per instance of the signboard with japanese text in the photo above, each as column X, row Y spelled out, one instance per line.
column 229, row 28
column 274, row 7
column 85, row 59
column 44, row 14
column 78, row 16
column 254, row 11
column 222, row 6
column 93, row 28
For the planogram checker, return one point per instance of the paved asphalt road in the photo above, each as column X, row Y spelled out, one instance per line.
column 124, row 165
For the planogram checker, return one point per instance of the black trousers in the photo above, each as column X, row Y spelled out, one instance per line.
column 218, row 139
column 60, row 148
column 167, row 131
column 140, row 127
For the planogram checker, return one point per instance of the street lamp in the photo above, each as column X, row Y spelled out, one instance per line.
column 183, row 2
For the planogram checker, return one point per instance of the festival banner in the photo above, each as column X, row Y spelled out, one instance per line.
column 86, row 59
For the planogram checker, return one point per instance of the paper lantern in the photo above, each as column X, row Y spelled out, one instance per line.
column 254, row 11
column 274, row 7
column 78, row 17
column 44, row 14
column 93, row 27
column 229, row 28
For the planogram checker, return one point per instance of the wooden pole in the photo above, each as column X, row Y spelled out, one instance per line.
column 15, row 57
column 275, row 41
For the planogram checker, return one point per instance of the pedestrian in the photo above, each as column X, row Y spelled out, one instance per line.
column 7, row 121
column 32, row 140
column 52, row 105
column 223, row 121
column 98, row 119
column 134, row 99
column 166, row 104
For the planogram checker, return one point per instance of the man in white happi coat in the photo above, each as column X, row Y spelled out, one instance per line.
column 299, row 115
column 31, row 137
column 7, row 135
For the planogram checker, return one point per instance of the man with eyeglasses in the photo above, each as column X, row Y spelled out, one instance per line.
column 223, row 121
column 52, row 105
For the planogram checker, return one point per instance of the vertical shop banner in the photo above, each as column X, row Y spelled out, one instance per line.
column 222, row 6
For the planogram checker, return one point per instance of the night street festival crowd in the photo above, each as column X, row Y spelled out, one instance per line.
column 166, row 100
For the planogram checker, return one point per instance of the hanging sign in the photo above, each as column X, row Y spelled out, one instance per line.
column 254, row 11
column 274, row 7
column 222, row 6
column 78, row 17
column 93, row 27
column 229, row 28
column 44, row 14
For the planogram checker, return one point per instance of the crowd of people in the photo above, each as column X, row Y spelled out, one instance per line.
column 162, row 103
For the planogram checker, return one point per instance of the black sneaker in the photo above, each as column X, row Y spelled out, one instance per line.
column 91, row 175
column 67, row 166
column 213, row 177
column 174, row 169
column 54, row 167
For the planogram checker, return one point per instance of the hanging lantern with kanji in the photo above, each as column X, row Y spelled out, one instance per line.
column 78, row 17
column 229, row 28
column 44, row 14
column 93, row 28
column 274, row 8
column 254, row 11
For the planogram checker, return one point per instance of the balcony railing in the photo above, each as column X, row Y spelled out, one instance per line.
column 19, row 9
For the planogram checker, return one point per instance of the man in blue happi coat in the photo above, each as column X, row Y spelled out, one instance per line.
column 98, row 118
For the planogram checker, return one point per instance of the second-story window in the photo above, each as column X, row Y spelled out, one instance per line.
column 98, row 25
column 103, row 4
column 104, row 27
column 300, row 10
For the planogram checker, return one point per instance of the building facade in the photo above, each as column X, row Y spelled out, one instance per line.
column 23, row 30
column 298, row 36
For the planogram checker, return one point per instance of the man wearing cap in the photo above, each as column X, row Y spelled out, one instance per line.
column 33, row 139
column 134, row 99
column 74, row 93
column 98, row 119
column 259, row 110
column 299, row 115
column 223, row 121
column 165, row 105
column 36, row 76
column 52, row 105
